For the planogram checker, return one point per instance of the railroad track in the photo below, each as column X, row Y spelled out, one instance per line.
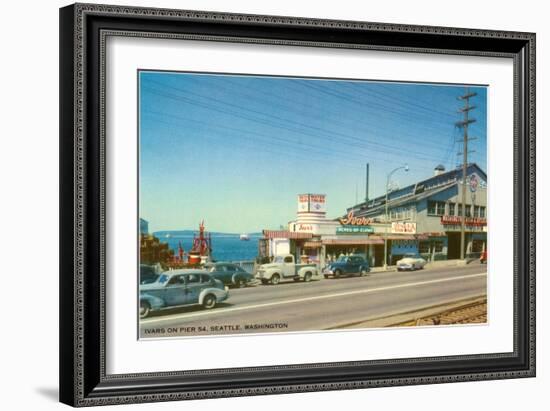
column 471, row 313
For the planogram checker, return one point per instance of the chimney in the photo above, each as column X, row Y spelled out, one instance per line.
column 440, row 169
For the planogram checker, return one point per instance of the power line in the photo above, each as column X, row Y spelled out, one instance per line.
column 344, row 139
column 303, row 126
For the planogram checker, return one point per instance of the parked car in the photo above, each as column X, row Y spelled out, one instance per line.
column 283, row 267
column 483, row 257
column 229, row 274
column 411, row 262
column 180, row 288
column 147, row 274
column 347, row 266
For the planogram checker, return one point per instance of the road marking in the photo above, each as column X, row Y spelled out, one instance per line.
column 299, row 300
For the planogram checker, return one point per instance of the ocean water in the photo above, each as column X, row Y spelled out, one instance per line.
column 225, row 247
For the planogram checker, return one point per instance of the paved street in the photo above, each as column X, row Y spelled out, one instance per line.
column 321, row 304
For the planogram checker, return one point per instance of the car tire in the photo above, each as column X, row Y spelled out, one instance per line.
column 326, row 276
column 264, row 281
column 241, row 283
column 307, row 277
column 144, row 309
column 364, row 272
column 209, row 301
column 275, row 279
column 337, row 274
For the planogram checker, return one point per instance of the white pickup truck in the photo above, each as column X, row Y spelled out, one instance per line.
column 284, row 267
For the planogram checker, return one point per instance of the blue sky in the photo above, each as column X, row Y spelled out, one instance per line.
column 237, row 150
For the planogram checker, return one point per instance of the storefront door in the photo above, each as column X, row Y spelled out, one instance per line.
column 378, row 255
column 453, row 251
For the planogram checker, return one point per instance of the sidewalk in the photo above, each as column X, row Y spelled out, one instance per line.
column 429, row 265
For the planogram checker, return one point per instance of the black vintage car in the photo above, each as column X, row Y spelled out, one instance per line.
column 347, row 266
column 147, row 274
column 229, row 274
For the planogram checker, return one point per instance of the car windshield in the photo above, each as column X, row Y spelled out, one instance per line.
column 162, row 278
column 278, row 259
column 342, row 259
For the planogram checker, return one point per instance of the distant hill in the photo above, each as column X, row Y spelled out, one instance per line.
column 189, row 233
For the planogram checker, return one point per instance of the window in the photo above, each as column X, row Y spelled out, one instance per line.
column 288, row 259
column 438, row 246
column 401, row 213
column 229, row 268
column 451, row 208
column 476, row 211
column 176, row 280
column 477, row 246
column 193, row 278
column 468, row 210
column 436, row 207
column 424, row 247
column 482, row 212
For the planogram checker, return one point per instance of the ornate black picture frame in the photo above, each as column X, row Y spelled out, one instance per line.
column 83, row 30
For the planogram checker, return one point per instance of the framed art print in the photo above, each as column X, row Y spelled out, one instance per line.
column 262, row 204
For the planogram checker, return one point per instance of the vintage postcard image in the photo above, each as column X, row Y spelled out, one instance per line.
column 287, row 204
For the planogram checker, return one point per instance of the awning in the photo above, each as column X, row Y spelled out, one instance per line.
column 359, row 241
column 286, row 234
column 401, row 237
column 313, row 244
column 435, row 234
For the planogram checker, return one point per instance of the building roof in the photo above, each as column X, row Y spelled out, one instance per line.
column 417, row 191
column 286, row 234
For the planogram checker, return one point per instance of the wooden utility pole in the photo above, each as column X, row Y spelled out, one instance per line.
column 367, row 185
column 464, row 124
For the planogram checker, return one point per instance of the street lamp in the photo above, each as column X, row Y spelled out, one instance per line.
column 406, row 168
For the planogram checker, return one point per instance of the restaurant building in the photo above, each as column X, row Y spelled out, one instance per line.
column 313, row 237
column 423, row 218
column 430, row 211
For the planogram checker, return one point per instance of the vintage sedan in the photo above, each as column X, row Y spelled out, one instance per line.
column 411, row 262
column 147, row 274
column 347, row 266
column 181, row 288
column 229, row 274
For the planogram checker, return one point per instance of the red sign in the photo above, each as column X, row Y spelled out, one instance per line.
column 312, row 203
column 403, row 228
column 457, row 220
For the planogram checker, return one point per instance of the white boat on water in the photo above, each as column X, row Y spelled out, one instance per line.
column 244, row 237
